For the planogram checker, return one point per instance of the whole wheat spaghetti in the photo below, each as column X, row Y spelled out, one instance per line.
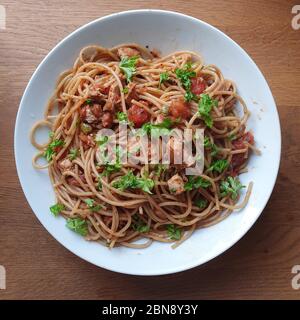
column 118, row 204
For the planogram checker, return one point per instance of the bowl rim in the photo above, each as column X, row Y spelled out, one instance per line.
column 194, row 263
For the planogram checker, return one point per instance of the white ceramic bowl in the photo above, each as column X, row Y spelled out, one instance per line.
column 167, row 31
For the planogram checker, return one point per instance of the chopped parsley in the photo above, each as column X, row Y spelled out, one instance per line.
column 88, row 101
column 127, row 65
column 111, row 168
column 57, row 208
column 163, row 77
column 173, row 232
column 125, row 90
column 231, row 186
column 122, row 116
column 160, row 168
column 201, row 203
column 85, row 128
column 51, row 149
column 232, row 137
column 51, row 134
column 204, row 108
column 163, row 128
column 74, row 152
column 184, row 75
column 139, row 225
column 209, row 145
column 102, row 140
column 195, row 182
column 77, row 225
column 91, row 205
column 130, row 181
column 219, row 165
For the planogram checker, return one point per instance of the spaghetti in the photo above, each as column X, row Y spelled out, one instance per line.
column 119, row 204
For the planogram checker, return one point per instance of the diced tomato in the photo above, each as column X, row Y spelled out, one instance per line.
column 239, row 158
column 87, row 140
column 179, row 109
column 138, row 115
column 239, row 143
column 198, row 85
column 107, row 119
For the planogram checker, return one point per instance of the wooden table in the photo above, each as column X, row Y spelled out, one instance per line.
column 259, row 266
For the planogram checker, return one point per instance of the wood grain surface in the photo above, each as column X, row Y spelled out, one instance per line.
column 258, row 267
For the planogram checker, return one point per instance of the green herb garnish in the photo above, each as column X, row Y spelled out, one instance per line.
column 195, row 182
column 184, row 75
column 139, row 225
column 102, row 140
column 51, row 149
column 78, row 225
column 74, row 152
column 209, row 145
column 122, row 116
column 57, row 208
column 127, row 65
column 204, row 108
column 231, row 186
column 91, row 205
column 163, row 77
column 89, row 101
column 173, row 232
column 201, row 203
column 125, row 90
column 85, row 128
column 130, row 181
column 219, row 165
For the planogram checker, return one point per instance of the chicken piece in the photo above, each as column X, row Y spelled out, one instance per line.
column 127, row 52
column 176, row 184
column 91, row 114
column 179, row 109
column 113, row 98
column 65, row 164
column 107, row 119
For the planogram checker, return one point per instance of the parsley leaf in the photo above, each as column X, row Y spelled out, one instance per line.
column 88, row 101
column 57, row 208
column 184, row 75
column 173, row 232
column 219, row 165
column 195, row 182
column 157, row 129
column 127, row 65
column 232, row 137
column 101, row 140
column 190, row 96
column 160, row 168
column 204, row 108
column 163, row 77
column 201, row 203
column 78, row 225
column 122, row 116
column 91, row 205
column 231, row 186
column 209, row 145
column 139, row 225
column 74, row 152
column 51, row 134
column 111, row 168
column 130, row 181
column 85, row 128
column 51, row 149
column 125, row 90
